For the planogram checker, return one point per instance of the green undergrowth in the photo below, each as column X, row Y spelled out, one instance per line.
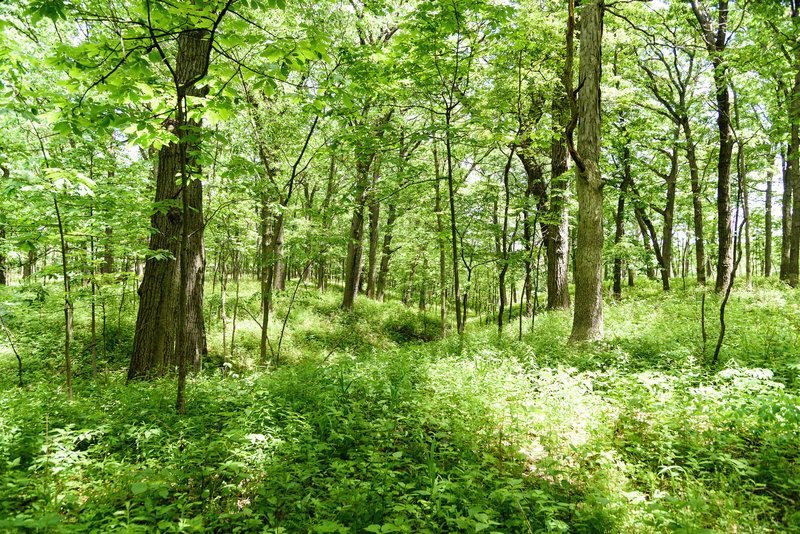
column 369, row 425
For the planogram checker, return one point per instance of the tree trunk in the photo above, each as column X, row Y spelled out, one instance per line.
column 355, row 242
column 768, row 218
column 588, row 311
column 3, row 279
column 374, row 231
column 619, row 233
column 669, row 216
column 786, row 219
column 453, row 230
column 793, row 167
column 716, row 42
column 557, row 235
column 153, row 340
column 697, row 202
column 195, row 343
column 441, row 242
column 386, row 254
column 409, row 293
column 156, row 323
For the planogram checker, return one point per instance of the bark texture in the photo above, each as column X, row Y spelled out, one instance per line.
column 156, row 322
column 587, row 320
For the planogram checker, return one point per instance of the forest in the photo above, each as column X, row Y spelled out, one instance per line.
column 502, row 266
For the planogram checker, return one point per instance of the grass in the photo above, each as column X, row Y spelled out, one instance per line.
column 370, row 424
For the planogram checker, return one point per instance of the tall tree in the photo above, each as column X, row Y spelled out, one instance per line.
column 715, row 37
column 587, row 320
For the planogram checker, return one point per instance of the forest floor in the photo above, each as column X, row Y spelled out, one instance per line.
column 369, row 423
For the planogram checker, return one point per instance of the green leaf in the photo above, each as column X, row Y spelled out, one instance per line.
column 138, row 488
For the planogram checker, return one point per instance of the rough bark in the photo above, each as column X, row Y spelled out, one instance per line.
column 156, row 323
column 587, row 321
column 535, row 196
column 153, row 340
column 195, row 342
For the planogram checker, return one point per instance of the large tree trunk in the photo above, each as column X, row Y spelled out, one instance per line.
column 355, row 244
column 386, row 254
column 156, row 322
column 536, row 191
column 588, row 311
column 153, row 340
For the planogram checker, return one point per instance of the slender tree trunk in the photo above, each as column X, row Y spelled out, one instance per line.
column 355, row 243
column 441, row 242
column 669, row 216
column 619, row 233
column 697, row 202
column 410, row 285
column 557, row 235
column 68, row 307
column 715, row 37
column 374, row 230
column 386, row 254
column 265, row 280
column 3, row 278
column 453, row 229
column 768, row 218
column 793, row 167
column 786, row 220
column 278, row 261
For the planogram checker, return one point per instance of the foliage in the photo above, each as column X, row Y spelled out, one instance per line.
column 474, row 433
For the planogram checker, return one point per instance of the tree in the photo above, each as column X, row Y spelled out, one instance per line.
column 587, row 323
column 715, row 37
